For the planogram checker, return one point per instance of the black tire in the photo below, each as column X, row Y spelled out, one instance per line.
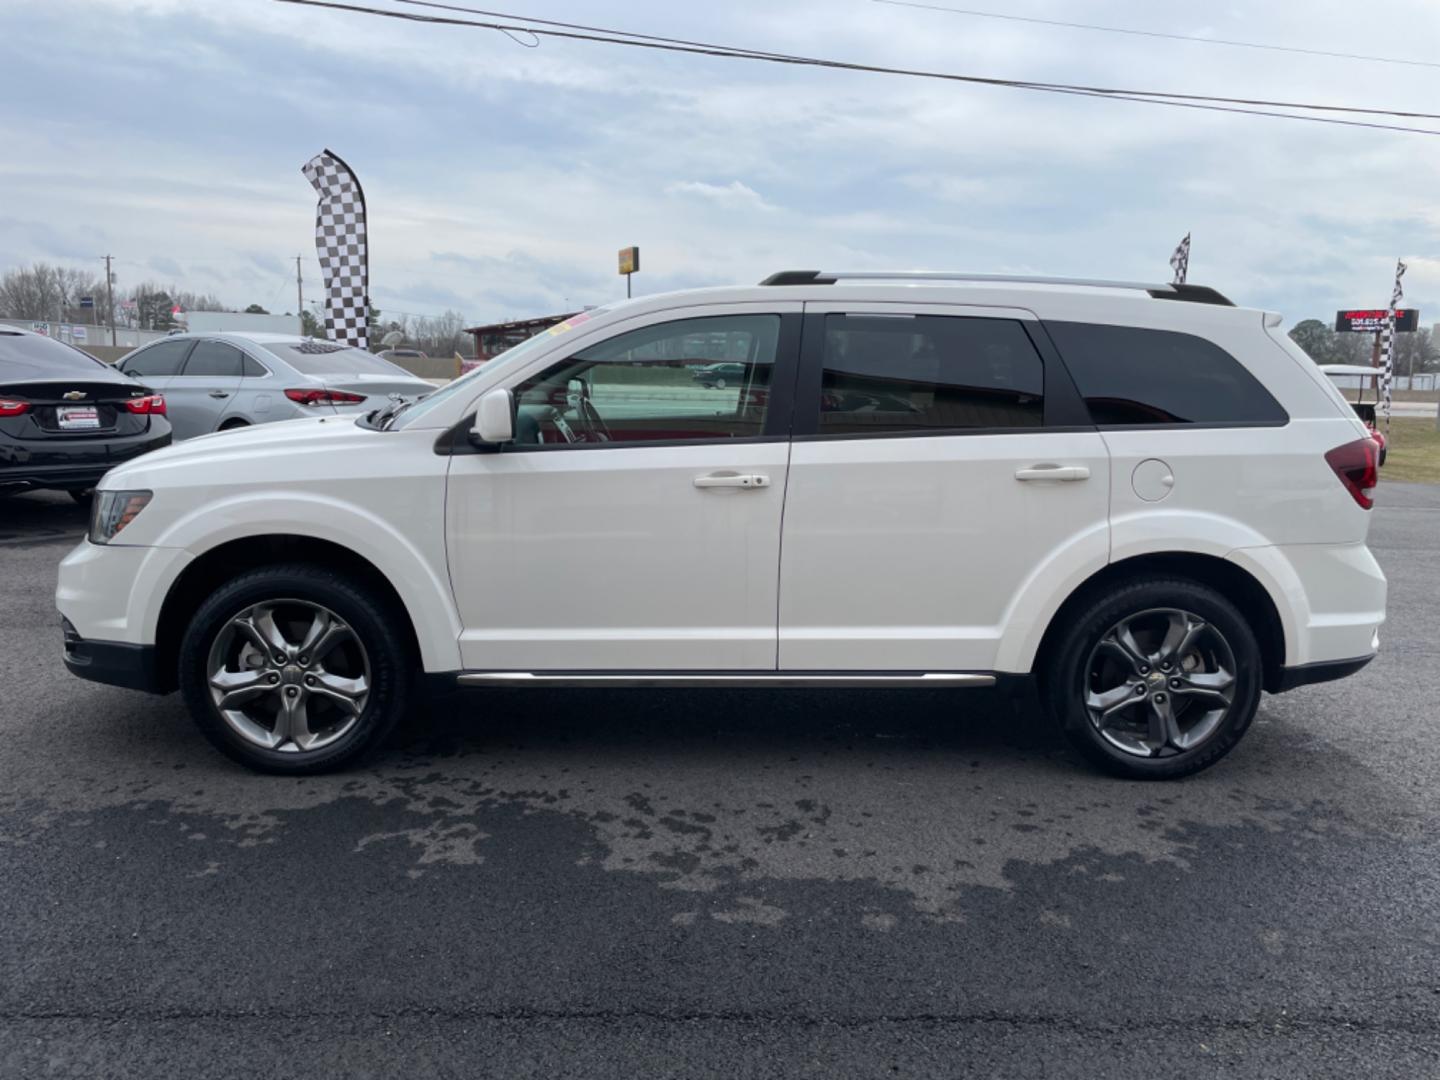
column 1066, row 678
column 82, row 496
column 231, row 425
column 376, row 625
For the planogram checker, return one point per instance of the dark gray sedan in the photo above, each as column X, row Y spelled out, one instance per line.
column 214, row 382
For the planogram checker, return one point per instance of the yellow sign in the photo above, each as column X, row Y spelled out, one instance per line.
column 629, row 260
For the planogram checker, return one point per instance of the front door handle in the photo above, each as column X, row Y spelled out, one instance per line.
column 732, row 480
column 1053, row 472
column 219, row 393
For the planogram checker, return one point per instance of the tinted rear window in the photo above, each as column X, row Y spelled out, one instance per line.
column 1129, row 375
column 327, row 358
column 216, row 360
column 31, row 356
column 918, row 373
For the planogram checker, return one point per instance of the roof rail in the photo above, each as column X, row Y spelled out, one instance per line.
column 1195, row 294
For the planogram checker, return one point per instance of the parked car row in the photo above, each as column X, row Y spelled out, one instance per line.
column 66, row 417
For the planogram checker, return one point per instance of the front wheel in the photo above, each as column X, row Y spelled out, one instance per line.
column 295, row 669
column 1155, row 679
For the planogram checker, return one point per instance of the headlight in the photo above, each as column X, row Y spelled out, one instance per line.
column 113, row 511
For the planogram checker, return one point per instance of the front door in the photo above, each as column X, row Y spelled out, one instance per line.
column 939, row 467
column 634, row 525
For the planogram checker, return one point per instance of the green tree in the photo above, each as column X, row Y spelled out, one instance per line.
column 1315, row 338
column 256, row 309
column 310, row 326
column 153, row 307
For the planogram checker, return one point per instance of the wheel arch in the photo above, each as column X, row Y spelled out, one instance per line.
column 203, row 574
column 1232, row 581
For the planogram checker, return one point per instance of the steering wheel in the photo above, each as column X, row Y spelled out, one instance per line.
column 594, row 425
column 595, row 429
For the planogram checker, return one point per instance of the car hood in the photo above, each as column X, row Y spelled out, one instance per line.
column 246, row 450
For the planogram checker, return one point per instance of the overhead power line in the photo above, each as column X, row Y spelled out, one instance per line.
column 745, row 52
column 1209, row 102
column 1192, row 38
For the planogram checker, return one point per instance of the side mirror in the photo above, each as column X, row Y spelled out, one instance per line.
column 494, row 419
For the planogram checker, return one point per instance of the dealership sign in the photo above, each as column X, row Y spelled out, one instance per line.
column 1372, row 320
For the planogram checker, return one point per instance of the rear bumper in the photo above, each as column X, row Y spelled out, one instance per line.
column 1330, row 599
column 115, row 663
column 1323, row 671
column 30, row 464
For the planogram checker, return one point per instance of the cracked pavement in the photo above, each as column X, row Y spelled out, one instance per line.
column 609, row 883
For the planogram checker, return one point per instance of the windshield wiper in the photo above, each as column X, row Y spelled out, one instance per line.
column 390, row 412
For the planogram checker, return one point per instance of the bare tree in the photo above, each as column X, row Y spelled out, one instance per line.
column 43, row 291
column 437, row 335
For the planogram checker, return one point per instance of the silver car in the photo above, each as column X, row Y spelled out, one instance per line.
column 214, row 382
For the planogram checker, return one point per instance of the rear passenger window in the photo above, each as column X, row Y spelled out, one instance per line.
column 1131, row 376
column 920, row 373
column 215, row 359
column 254, row 369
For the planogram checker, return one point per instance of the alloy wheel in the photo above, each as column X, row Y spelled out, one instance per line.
column 1159, row 683
column 289, row 675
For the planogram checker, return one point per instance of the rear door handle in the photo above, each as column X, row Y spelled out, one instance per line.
column 219, row 393
column 732, row 480
column 1053, row 472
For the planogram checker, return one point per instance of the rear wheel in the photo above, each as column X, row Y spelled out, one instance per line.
column 231, row 425
column 295, row 669
column 1155, row 679
column 83, row 496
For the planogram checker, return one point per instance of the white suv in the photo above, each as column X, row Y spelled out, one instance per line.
column 1143, row 499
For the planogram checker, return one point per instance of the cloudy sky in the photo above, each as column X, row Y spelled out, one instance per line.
column 501, row 179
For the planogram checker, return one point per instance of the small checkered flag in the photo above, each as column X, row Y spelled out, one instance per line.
column 341, row 245
column 1180, row 261
column 1387, row 342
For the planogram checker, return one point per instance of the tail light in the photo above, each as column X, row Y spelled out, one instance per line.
column 324, row 397
column 1357, row 464
column 149, row 405
column 11, row 407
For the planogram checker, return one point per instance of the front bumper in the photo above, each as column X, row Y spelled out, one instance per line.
column 115, row 663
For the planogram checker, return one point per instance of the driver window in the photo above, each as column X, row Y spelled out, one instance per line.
column 706, row 378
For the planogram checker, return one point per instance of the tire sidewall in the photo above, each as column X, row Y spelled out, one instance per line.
column 1066, row 681
column 373, row 624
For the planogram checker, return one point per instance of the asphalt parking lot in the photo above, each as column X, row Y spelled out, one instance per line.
column 729, row 883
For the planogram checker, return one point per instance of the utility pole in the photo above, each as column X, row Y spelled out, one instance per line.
column 110, row 298
column 299, row 290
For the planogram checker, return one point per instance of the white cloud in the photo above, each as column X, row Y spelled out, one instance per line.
column 734, row 195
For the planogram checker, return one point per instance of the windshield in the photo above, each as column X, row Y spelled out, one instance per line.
column 327, row 358
column 512, row 355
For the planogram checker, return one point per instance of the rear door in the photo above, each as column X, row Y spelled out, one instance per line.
column 941, row 465
column 205, row 389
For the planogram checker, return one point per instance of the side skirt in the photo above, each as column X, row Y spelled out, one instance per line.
column 811, row 679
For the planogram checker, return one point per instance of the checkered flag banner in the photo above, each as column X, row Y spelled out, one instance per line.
column 1387, row 342
column 340, row 242
column 1180, row 261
